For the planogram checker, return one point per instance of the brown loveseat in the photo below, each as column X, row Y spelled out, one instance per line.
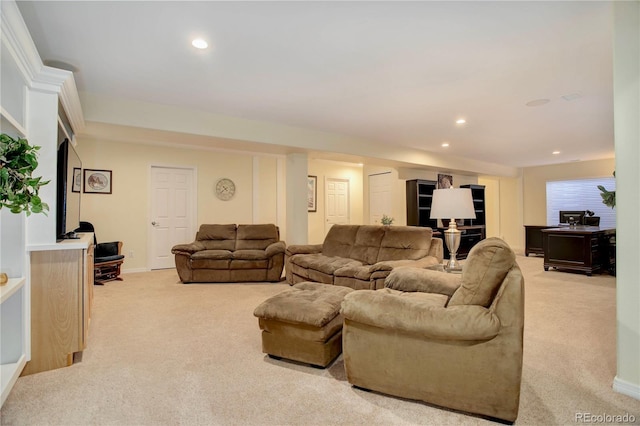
column 230, row 253
column 362, row 256
column 449, row 340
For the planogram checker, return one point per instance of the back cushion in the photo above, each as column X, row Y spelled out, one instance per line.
column 256, row 237
column 339, row 240
column 367, row 244
column 405, row 242
column 217, row 237
column 483, row 272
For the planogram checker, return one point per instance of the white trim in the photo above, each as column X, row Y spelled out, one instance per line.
column 255, row 193
column 281, row 195
column 626, row 388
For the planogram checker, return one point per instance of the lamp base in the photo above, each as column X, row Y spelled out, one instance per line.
column 453, row 266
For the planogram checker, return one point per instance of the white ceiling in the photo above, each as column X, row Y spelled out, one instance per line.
column 397, row 73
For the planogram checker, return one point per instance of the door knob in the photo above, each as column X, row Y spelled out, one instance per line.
column 154, row 223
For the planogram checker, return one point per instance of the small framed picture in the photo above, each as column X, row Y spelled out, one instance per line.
column 97, row 181
column 76, row 185
column 312, row 193
column 445, row 181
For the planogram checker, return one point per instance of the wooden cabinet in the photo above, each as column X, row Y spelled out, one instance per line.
column 477, row 193
column 61, row 298
column 533, row 239
column 419, row 196
column 581, row 249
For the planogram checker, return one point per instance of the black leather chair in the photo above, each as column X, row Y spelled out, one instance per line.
column 107, row 257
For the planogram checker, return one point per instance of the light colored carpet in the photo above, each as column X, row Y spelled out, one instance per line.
column 164, row 353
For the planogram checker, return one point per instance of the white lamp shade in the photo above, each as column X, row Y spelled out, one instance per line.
column 452, row 203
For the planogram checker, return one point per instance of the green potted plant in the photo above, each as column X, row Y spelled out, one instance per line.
column 608, row 197
column 18, row 188
column 386, row 220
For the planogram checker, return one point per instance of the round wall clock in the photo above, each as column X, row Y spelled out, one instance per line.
column 225, row 189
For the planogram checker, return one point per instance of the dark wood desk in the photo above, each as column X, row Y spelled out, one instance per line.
column 533, row 239
column 580, row 248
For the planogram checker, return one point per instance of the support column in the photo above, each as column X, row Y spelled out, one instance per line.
column 297, row 215
column 626, row 97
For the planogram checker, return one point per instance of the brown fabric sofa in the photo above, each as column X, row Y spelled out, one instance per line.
column 231, row 253
column 362, row 256
column 449, row 340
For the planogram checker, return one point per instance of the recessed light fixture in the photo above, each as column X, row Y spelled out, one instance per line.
column 445, row 145
column 199, row 43
column 537, row 102
column 556, row 152
column 572, row 96
column 461, row 121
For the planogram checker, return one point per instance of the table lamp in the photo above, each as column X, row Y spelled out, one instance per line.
column 452, row 203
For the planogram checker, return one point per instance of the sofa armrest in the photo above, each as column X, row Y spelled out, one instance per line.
column 275, row 248
column 423, row 280
column 390, row 265
column 304, row 249
column 416, row 317
column 187, row 249
column 437, row 249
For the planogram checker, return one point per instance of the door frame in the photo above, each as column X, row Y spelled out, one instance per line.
column 193, row 208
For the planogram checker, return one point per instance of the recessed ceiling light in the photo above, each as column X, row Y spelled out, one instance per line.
column 199, row 43
column 537, row 102
column 461, row 121
column 572, row 96
column 445, row 145
column 556, row 152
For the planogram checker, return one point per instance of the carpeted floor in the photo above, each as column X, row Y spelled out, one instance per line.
column 164, row 353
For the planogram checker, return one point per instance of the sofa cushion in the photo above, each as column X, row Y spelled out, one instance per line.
column 211, row 259
column 483, row 272
column 249, row 264
column 322, row 263
column 256, row 237
column 339, row 240
column 217, row 237
column 367, row 244
column 250, row 254
column 361, row 272
column 405, row 242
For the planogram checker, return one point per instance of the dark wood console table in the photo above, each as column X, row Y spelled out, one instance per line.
column 580, row 248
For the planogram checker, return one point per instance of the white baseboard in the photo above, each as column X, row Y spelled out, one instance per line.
column 626, row 388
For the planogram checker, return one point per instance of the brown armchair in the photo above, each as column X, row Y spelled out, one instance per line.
column 449, row 340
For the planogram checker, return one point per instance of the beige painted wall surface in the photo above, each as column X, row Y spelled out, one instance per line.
column 535, row 184
column 331, row 169
column 124, row 214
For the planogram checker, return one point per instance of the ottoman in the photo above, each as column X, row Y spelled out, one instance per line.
column 303, row 323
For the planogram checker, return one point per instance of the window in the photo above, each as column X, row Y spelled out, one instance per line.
column 580, row 194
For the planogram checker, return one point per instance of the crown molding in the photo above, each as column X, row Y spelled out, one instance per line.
column 37, row 76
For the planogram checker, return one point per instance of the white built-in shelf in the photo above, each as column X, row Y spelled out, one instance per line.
column 9, row 374
column 10, row 125
column 7, row 290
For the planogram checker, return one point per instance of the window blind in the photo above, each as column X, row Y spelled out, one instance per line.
column 580, row 194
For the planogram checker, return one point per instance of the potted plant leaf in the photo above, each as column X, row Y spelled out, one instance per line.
column 18, row 188
column 608, row 197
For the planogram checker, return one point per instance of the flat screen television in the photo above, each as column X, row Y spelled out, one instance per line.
column 68, row 191
column 572, row 217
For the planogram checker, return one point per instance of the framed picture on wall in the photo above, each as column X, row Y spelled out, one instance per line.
column 312, row 193
column 445, row 181
column 76, row 185
column 97, row 181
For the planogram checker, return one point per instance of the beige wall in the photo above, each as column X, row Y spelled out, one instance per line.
column 504, row 209
column 535, row 184
column 331, row 169
column 124, row 214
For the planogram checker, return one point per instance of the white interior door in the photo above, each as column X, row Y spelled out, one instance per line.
column 172, row 218
column 336, row 204
column 379, row 197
